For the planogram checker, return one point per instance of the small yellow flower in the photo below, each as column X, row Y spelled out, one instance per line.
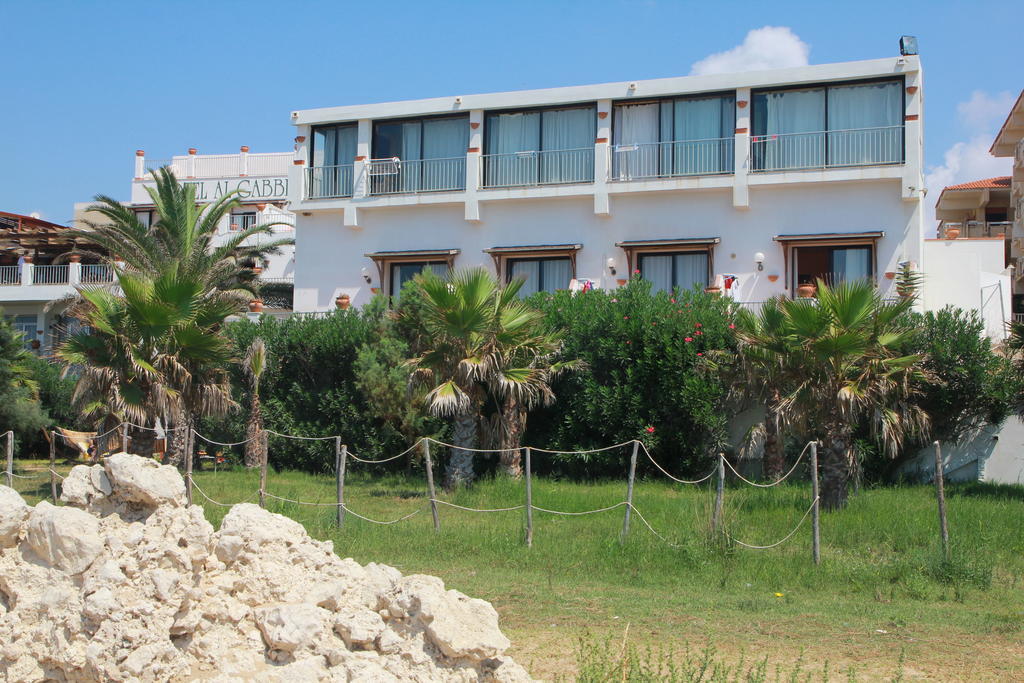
column 778, row 595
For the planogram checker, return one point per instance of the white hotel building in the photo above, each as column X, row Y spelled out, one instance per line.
column 774, row 177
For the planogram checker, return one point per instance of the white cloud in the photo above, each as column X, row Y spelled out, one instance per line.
column 980, row 117
column 769, row 47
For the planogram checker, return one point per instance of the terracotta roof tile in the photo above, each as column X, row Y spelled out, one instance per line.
column 1002, row 182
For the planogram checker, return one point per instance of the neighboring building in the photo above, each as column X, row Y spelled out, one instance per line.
column 980, row 208
column 1009, row 142
column 261, row 181
column 40, row 264
column 774, row 177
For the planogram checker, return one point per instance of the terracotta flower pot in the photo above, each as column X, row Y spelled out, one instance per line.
column 343, row 301
column 257, row 269
column 806, row 291
column 75, row 258
column 952, row 233
column 622, row 281
column 256, row 306
column 773, row 278
column 36, row 344
column 712, row 290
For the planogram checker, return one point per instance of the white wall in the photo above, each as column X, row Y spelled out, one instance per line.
column 968, row 274
column 990, row 453
column 330, row 256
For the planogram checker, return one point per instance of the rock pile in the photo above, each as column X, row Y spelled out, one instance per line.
column 127, row 582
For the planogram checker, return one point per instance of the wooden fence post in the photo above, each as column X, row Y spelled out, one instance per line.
column 189, row 449
column 124, row 437
column 716, row 516
column 263, row 469
column 53, row 466
column 629, row 492
column 815, row 512
column 340, row 460
column 10, row 459
column 430, row 485
column 529, row 500
column 940, row 492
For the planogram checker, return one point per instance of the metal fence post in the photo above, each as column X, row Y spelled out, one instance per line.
column 716, row 517
column 124, row 437
column 430, row 485
column 629, row 491
column 940, row 492
column 340, row 460
column 529, row 500
column 815, row 512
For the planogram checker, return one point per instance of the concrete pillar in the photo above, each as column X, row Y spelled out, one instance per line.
column 741, row 158
column 473, row 164
column 140, row 164
column 191, row 162
column 75, row 271
column 297, row 172
column 602, row 158
column 27, row 269
column 243, row 161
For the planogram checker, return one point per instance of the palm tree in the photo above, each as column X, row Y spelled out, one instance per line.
column 483, row 340
column 761, row 353
column 254, row 365
column 151, row 350
column 184, row 239
column 837, row 361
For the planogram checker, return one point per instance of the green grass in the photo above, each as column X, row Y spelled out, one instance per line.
column 882, row 596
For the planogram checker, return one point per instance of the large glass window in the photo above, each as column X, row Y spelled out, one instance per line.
column 540, row 275
column 668, row 271
column 831, row 264
column 683, row 136
column 419, row 156
column 26, row 324
column 550, row 146
column 838, row 125
column 403, row 272
column 334, row 151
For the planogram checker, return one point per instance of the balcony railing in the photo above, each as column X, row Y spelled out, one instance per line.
column 978, row 229
column 10, row 275
column 50, row 275
column 673, row 159
column 324, row 182
column 97, row 274
column 394, row 176
column 533, row 168
column 827, row 149
column 225, row 165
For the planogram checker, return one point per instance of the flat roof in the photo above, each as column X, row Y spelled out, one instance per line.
column 623, row 90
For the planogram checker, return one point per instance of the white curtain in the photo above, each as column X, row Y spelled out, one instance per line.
column 567, row 136
column 409, row 174
column 513, row 141
column 691, row 269
column 403, row 272
column 699, row 125
column 657, row 269
column 798, row 116
column 864, row 124
column 444, row 153
column 334, row 150
column 635, row 127
column 529, row 272
column 542, row 275
column 556, row 274
column 851, row 263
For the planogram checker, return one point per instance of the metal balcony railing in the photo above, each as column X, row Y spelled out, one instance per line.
column 225, row 165
column 323, row 182
column 673, row 159
column 50, row 275
column 10, row 275
column 827, row 149
column 395, row 176
column 545, row 167
column 977, row 229
column 97, row 274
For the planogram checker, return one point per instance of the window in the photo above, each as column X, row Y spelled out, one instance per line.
column 540, row 275
column 145, row 217
column 333, row 154
column 243, row 221
column 831, row 264
column 403, row 272
column 26, row 324
column 683, row 136
column 838, row 125
column 425, row 155
column 672, row 270
column 549, row 146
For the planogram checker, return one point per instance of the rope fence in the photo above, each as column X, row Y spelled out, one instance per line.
column 343, row 454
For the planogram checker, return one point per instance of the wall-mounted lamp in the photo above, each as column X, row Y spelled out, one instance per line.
column 366, row 275
column 611, row 265
column 759, row 260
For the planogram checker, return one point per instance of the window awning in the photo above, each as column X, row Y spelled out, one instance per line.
column 832, row 237
column 633, row 247
column 383, row 258
column 502, row 254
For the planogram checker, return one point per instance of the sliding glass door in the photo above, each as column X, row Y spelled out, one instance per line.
column 425, row 155
column 334, row 151
column 865, row 124
column 540, row 147
column 682, row 270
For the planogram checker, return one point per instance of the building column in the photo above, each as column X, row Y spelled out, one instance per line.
column 243, row 161
column 192, row 151
column 75, row 270
column 140, row 164
column 602, row 158
column 360, row 170
column 473, row 164
column 27, row 270
column 741, row 153
column 297, row 190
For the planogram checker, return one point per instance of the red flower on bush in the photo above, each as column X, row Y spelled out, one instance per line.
column 732, row 326
column 636, row 272
column 672, row 300
column 625, row 317
column 699, row 353
column 698, row 333
column 688, row 339
column 697, row 325
column 629, row 342
column 650, row 429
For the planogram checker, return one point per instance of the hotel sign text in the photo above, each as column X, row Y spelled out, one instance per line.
column 247, row 188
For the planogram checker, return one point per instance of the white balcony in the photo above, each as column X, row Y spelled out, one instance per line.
column 30, row 282
column 223, row 165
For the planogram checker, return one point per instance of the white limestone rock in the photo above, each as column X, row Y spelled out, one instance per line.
column 13, row 514
column 289, row 627
column 144, row 481
column 86, row 487
column 65, row 538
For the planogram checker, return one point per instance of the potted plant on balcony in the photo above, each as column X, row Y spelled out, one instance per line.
column 256, row 306
column 343, row 301
column 806, row 290
column 952, row 233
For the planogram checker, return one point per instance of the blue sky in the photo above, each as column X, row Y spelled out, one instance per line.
column 87, row 83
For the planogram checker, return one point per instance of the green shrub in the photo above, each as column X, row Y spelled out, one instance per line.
column 642, row 351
